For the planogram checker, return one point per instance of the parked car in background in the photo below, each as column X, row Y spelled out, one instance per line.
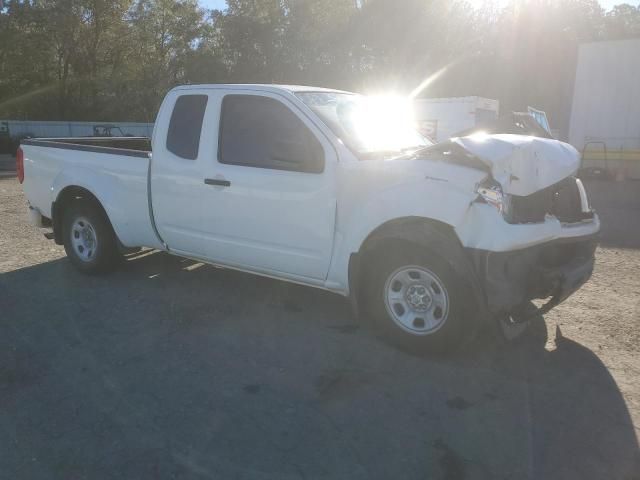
column 442, row 118
column 331, row 190
column 517, row 123
column 109, row 131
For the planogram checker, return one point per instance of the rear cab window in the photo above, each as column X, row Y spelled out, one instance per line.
column 183, row 137
column 262, row 132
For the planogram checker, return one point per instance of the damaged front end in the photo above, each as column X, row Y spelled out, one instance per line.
column 552, row 271
column 531, row 233
column 566, row 201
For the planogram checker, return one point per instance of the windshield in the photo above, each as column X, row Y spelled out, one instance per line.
column 370, row 126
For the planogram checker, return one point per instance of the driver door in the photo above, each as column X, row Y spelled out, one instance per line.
column 270, row 200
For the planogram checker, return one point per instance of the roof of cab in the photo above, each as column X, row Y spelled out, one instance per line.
column 260, row 86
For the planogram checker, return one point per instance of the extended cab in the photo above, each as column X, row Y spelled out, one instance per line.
column 332, row 190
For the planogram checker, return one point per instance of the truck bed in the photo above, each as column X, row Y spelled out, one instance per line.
column 132, row 146
column 114, row 169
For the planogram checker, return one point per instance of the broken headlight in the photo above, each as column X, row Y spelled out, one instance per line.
column 490, row 192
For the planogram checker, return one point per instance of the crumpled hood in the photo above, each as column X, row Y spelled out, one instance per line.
column 521, row 164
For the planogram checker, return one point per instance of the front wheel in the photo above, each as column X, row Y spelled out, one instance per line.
column 89, row 240
column 420, row 302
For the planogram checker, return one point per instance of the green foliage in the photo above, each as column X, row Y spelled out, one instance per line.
column 115, row 59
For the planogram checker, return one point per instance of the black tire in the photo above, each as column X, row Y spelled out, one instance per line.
column 443, row 262
column 105, row 256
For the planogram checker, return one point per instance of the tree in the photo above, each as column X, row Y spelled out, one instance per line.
column 164, row 35
column 115, row 59
column 27, row 66
column 623, row 22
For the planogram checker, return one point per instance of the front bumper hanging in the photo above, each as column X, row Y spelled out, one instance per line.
column 552, row 270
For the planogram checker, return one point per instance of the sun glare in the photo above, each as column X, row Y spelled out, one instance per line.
column 479, row 137
column 383, row 122
column 486, row 4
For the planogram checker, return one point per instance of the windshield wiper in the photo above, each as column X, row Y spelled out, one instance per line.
column 376, row 154
column 431, row 149
column 414, row 148
column 402, row 152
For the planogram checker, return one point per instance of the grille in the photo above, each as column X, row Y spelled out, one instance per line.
column 561, row 200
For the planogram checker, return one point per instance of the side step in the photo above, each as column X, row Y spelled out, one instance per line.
column 49, row 235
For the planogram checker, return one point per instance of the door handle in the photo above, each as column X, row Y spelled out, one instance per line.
column 217, row 182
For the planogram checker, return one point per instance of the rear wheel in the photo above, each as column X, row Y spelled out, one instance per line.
column 89, row 240
column 420, row 302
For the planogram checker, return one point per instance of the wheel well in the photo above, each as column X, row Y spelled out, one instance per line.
column 394, row 233
column 68, row 195
column 407, row 229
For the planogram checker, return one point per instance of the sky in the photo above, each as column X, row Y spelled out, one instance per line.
column 220, row 4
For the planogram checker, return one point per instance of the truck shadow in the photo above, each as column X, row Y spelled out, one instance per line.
column 579, row 418
column 170, row 367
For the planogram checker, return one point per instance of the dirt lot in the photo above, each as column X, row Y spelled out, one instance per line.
column 169, row 369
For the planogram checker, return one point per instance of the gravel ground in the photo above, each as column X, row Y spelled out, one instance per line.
column 7, row 163
column 171, row 369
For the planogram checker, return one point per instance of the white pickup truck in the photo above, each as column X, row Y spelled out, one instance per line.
column 332, row 190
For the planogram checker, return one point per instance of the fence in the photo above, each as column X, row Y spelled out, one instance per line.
column 19, row 128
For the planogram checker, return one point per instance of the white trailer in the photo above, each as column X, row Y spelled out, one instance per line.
column 442, row 118
column 605, row 115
